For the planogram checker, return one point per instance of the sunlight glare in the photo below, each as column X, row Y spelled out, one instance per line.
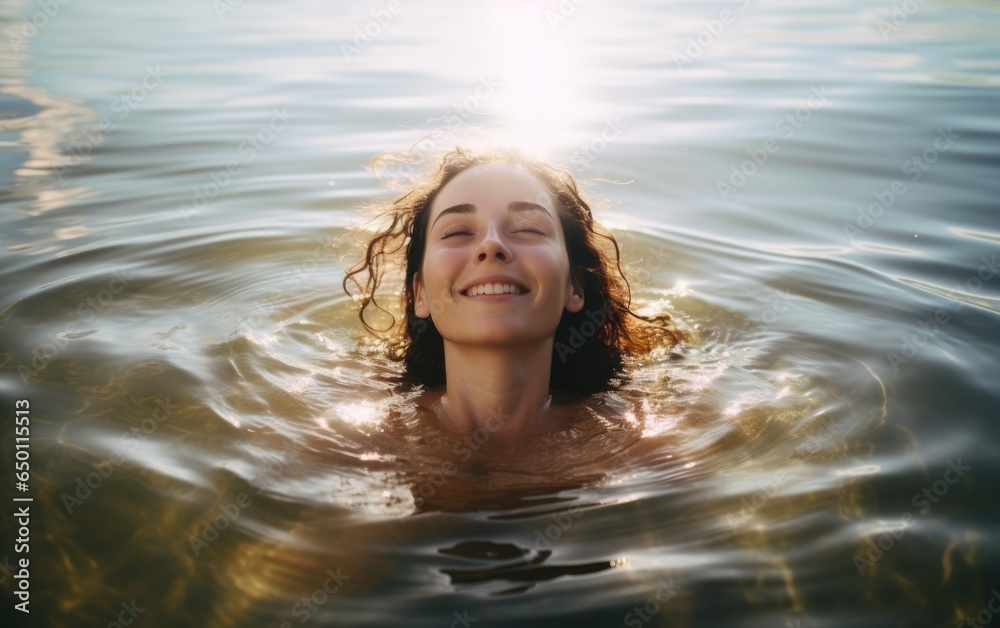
column 536, row 77
column 358, row 413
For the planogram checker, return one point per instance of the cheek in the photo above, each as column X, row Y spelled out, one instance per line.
column 440, row 267
column 550, row 263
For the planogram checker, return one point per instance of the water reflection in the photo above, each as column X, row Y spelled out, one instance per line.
column 511, row 564
column 218, row 443
column 538, row 77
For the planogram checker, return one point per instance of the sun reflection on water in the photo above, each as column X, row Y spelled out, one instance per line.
column 358, row 413
column 538, row 78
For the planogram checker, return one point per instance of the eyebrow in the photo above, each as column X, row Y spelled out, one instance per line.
column 514, row 206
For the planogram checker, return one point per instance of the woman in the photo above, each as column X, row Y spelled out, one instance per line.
column 513, row 294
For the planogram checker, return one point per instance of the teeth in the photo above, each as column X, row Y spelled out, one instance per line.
column 493, row 288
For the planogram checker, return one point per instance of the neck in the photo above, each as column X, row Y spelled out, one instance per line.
column 503, row 390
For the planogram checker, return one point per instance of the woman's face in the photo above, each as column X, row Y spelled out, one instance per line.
column 495, row 224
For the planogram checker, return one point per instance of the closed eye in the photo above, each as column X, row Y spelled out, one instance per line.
column 464, row 232
column 538, row 231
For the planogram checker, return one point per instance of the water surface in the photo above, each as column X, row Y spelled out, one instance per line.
column 811, row 190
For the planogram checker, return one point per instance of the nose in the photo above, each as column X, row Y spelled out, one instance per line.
column 493, row 246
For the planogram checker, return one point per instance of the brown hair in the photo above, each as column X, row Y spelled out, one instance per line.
column 599, row 337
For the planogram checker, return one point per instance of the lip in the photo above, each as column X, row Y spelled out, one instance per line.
column 495, row 279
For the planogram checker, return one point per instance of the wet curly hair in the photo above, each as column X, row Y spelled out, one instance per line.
column 590, row 347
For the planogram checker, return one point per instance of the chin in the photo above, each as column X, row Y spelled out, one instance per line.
column 488, row 334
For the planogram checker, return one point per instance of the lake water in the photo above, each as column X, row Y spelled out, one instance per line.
column 811, row 190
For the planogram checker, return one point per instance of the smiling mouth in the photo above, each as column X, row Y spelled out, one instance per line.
column 495, row 289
